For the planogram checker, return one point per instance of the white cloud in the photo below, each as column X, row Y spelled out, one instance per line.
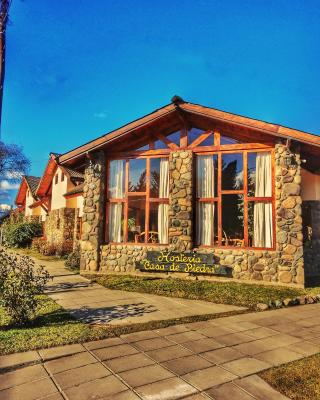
column 6, row 185
column 5, row 207
column 100, row 114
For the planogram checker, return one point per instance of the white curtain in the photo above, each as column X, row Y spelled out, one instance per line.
column 163, row 210
column 262, row 222
column 116, row 191
column 205, row 188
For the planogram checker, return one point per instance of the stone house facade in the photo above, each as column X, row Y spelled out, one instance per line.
column 188, row 179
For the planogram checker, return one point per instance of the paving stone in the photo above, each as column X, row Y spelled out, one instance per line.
column 76, row 376
column 223, row 355
column 22, row 375
column 55, row 352
column 234, row 339
column 168, row 353
column 54, row 396
column 202, row 345
column 137, row 336
column 145, row 375
column 114, row 352
column 279, row 356
column 184, row 365
column 198, row 396
column 152, row 344
column 246, row 366
column 305, row 348
column 170, row 330
column 215, row 331
column 168, row 389
column 69, row 362
column 186, row 337
column 30, row 390
column 99, row 388
column 228, row 391
column 128, row 362
column 260, row 333
column 255, row 347
column 259, row 389
column 209, row 377
column 127, row 395
column 98, row 344
column 17, row 359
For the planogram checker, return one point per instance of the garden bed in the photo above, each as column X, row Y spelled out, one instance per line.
column 235, row 293
column 298, row 380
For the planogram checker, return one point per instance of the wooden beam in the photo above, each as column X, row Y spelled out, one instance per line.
column 168, row 142
column 200, row 139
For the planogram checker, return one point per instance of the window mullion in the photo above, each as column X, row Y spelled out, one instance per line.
column 219, row 199
column 245, row 197
column 147, row 217
column 125, row 233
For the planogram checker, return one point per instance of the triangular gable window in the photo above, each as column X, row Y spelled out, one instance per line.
column 159, row 144
column 195, row 134
column 227, row 140
column 174, row 138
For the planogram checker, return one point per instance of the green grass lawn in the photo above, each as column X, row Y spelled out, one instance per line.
column 241, row 294
column 298, row 380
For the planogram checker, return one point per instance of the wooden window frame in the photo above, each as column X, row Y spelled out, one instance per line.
column 128, row 195
column 56, row 178
column 217, row 200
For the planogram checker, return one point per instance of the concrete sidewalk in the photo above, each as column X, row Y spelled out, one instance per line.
column 216, row 359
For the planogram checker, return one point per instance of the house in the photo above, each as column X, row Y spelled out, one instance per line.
column 27, row 200
column 191, row 190
column 56, row 191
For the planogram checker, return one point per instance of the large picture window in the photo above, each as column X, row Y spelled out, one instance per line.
column 234, row 199
column 138, row 197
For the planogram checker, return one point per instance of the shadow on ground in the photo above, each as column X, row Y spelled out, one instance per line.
column 106, row 315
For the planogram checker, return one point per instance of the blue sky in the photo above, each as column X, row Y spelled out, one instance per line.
column 77, row 69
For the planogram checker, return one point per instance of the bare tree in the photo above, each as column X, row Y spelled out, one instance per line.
column 4, row 13
column 13, row 163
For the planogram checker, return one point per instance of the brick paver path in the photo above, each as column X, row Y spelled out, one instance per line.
column 216, row 359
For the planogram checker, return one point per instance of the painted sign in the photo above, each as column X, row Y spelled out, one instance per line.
column 192, row 263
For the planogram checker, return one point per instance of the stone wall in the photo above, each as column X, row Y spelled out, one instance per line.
column 311, row 223
column 59, row 227
column 93, row 212
column 288, row 215
column 180, row 200
column 284, row 264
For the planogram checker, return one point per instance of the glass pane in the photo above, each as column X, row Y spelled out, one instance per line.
column 116, row 187
column 158, row 223
column 260, row 224
column 232, row 220
column 159, row 144
column 137, row 175
column 136, row 219
column 227, row 140
column 207, row 175
column 207, row 224
column 154, row 176
column 194, row 133
column 175, row 137
column 259, row 174
column 116, row 221
column 232, row 171
column 145, row 147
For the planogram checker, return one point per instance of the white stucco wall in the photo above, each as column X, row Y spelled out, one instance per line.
column 29, row 200
column 310, row 185
column 80, row 205
column 58, row 190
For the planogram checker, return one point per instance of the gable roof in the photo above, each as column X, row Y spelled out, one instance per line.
column 28, row 182
column 76, row 190
column 174, row 112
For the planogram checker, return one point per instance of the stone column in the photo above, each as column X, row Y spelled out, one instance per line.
column 289, row 234
column 93, row 212
column 180, row 200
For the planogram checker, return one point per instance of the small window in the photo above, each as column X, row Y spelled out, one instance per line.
column 62, row 177
column 227, row 140
column 56, row 179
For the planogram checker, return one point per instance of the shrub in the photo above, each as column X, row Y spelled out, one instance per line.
column 21, row 234
column 38, row 243
column 65, row 247
column 20, row 283
column 73, row 260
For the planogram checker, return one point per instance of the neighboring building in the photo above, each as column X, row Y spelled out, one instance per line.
column 63, row 224
column 27, row 200
column 241, row 193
